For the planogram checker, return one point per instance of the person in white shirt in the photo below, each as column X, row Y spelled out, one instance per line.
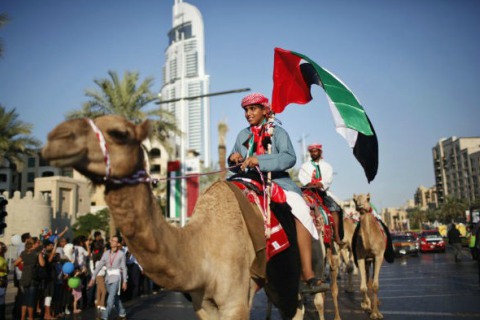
column 318, row 174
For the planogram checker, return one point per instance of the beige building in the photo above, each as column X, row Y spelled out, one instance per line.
column 57, row 202
column 456, row 163
column 426, row 198
column 23, row 179
column 396, row 219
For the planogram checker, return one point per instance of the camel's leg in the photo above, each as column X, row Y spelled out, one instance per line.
column 300, row 309
column 365, row 304
column 319, row 302
column 319, row 299
column 347, row 258
column 334, row 265
column 375, row 287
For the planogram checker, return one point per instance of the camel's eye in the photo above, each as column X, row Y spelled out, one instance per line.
column 118, row 135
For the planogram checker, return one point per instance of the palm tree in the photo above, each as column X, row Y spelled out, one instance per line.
column 15, row 139
column 452, row 209
column 127, row 98
column 3, row 21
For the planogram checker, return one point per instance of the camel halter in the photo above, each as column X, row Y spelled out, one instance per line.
column 103, row 147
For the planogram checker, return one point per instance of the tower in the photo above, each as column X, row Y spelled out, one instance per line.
column 184, row 79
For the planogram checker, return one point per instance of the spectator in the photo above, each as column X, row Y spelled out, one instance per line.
column 46, row 259
column 101, row 291
column 3, row 279
column 114, row 260
column 455, row 241
column 28, row 286
column 477, row 245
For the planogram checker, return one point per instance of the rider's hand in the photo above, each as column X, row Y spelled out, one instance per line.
column 250, row 162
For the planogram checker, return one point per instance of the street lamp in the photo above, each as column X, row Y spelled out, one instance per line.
column 183, row 187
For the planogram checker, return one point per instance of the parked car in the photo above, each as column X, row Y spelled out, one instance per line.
column 431, row 241
column 405, row 244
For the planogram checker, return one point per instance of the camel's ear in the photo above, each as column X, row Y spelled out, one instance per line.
column 142, row 131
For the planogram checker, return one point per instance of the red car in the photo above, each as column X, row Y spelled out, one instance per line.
column 431, row 241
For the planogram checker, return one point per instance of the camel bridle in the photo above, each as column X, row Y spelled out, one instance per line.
column 141, row 176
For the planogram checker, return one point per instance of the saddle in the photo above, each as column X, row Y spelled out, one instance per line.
column 321, row 215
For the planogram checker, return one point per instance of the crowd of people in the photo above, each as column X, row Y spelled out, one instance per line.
column 55, row 277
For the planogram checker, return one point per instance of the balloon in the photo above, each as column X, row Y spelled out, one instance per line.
column 16, row 240
column 68, row 267
column 74, row 282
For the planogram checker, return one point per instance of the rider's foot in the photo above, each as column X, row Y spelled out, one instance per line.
column 315, row 285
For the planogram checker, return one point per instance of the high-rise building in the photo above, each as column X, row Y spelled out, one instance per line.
column 456, row 163
column 426, row 198
column 183, row 78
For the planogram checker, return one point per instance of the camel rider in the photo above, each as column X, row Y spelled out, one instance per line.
column 249, row 151
column 317, row 173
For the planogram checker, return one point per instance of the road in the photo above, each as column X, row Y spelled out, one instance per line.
column 428, row 287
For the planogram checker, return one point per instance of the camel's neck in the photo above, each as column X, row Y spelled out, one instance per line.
column 154, row 242
column 367, row 225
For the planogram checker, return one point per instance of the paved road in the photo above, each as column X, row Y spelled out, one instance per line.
column 429, row 287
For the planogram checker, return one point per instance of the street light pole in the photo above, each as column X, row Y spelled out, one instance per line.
column 183, row 147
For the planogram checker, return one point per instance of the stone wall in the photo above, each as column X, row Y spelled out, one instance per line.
column 27, row 214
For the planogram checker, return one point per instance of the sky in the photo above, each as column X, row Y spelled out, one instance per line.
column 413, row 65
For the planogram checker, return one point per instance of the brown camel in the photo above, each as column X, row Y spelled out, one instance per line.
column 327, row 254
column 369, row 247
column 209, row 258
column 333, row 258
column 346, row 252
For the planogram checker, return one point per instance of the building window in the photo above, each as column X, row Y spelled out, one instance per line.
column 156, row 168
column 31, row 162
column 3, row 177
column 48, row 174
column 155, row 153
column 192, row 65
column 30, row 177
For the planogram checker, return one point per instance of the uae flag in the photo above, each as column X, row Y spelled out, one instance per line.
column 293, row 75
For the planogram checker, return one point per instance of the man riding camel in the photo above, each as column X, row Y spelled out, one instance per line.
column 250, row 151
column 318, row 174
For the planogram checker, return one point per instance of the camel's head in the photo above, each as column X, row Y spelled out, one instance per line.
column 107, row 146
column 362, row 203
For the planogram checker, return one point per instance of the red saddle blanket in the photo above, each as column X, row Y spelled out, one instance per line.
column 276, row 240
column 321, row 216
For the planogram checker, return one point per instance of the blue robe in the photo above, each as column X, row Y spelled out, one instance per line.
column 281, row 159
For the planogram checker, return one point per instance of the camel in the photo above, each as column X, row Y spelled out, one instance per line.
column 328, row 254
column 346, row 252
column 369, row 246
column 210, row 258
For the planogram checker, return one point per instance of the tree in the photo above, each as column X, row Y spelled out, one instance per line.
column 3, row 21
column 127, row 98
column 416, row 217
column 453, row 209
column 89, row 222
column 15, row 139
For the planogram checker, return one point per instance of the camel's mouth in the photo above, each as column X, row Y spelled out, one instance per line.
column 62, row 160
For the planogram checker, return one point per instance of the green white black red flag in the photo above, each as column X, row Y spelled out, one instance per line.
column 293, row 75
